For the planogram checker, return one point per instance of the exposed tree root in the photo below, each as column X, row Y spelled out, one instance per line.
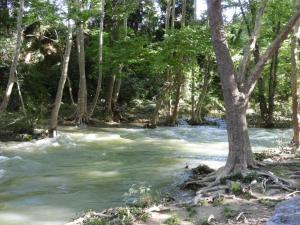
column 220, row 181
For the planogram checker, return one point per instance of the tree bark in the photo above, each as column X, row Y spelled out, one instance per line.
column 13, row 68
column 99, row 82
column 203, row 93
column 235, row 99
column 272, row 88
column 116, row 92
column 108, row 100
column 183, row 14
column 167, row 19
column 70, row 91
column 193, row 115
column 61, row 84
column 173, row 14
column 178, row 86
column 20, row 96
column 82, row 116
column 294, row 78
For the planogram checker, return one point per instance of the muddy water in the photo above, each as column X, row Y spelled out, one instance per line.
column 47, row 182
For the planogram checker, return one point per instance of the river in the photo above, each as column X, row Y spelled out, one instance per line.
column 50, row 181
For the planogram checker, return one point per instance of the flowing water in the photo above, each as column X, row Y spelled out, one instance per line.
column 48, row 182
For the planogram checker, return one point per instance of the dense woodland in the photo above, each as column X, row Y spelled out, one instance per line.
column 155, row 62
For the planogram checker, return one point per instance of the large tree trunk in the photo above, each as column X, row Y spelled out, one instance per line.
column 240, row 154
column 61, row 84
column 99, row 82
column 82, row 116
column 13, row 68
column 235, row 94
column 294, row 83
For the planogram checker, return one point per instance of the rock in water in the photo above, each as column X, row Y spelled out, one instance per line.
column 286, row 213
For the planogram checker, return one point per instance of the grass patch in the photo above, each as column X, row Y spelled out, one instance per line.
column 228, row 212
column 236, row 188
column 173, row 220
column 191, row 211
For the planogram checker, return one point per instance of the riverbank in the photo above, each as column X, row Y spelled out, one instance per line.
column 245, row 202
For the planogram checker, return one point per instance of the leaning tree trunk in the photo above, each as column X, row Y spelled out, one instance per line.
column 82, row 116
column 294, row 83
column 99, row 82
column 13, row 68
column 20, row 96
column 61, row 84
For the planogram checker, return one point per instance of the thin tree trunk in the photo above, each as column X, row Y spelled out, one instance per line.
column 13, row 68
column 272, row 88
column 99, row 82
column 20, row 96
column 294, row 88
column 173, row 15
column 174, row 116
column 294, row 78
column 70, row 91
column 109, row 97
column 262, row 99
column 61, row 84
column 272, row 83
column 167, row 20
column 116, row 92
column 193, row 117
column 183, row 13
column 159, row 101
column 82, row 93
column 202, row 96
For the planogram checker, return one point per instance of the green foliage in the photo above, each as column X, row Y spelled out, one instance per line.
column 250, row 177
column 236, row 188
column 233, row 177
column 173, row 220
column 191, row 211
column 228, row 212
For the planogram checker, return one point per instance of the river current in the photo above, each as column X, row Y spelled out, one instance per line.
column 51, row 181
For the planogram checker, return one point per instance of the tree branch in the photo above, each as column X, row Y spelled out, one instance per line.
column 252, row 43
column 256, row 72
